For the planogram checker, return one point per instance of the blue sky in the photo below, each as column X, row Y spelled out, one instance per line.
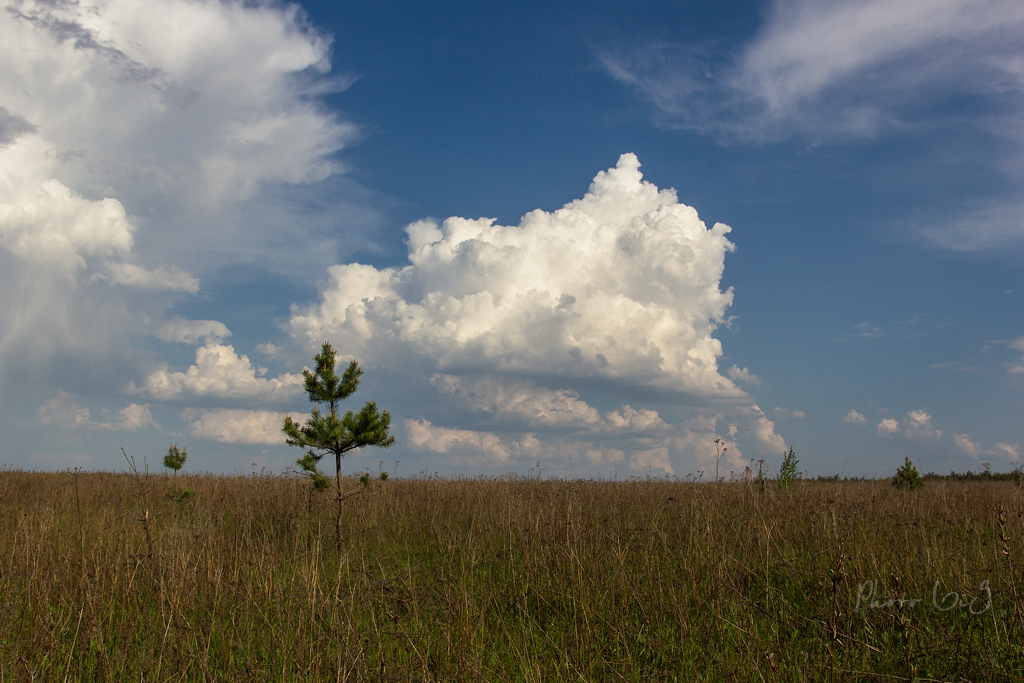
column 595, row 236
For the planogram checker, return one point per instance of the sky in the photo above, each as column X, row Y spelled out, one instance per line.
column 586, row 239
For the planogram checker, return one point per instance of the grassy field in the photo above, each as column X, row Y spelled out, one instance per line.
column 509, row 579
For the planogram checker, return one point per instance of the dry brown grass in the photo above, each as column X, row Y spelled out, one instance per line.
column 506, row 579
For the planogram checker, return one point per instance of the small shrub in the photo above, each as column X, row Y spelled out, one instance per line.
column 174, row 461
column 787, row 473
column 907, row 476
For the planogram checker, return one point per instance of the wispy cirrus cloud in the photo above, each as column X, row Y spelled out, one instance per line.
column 854, row 70
column 864, row 330
column 851, row 67
column 1018, row 367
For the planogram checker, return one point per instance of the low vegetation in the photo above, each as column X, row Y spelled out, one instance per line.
column 508, row 579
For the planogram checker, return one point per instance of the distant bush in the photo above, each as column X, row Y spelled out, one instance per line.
column 1014, row 476
column 836, row 478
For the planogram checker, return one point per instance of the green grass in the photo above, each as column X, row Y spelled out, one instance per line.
column 506, row 579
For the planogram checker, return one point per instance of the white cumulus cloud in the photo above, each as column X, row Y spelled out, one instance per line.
column 43, row 221
column 219, row 372
column 1009, row 451
column 141, row 144
column 209, row 87
column 479, row 447
column 64, row 411
column 965, row 444
column 233, row 425
column 764, row 431
column 521, row 401
column 567, row 456
column 565, row 328
column 854, row 418
column 524, row 403
column 918, row 425
column 175, row 110
column 184, row 331
column 888, row 426
column 622, row 284
column 628, row 418
column 744, row 375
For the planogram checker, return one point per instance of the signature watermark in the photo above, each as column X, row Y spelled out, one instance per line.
column 869, row 596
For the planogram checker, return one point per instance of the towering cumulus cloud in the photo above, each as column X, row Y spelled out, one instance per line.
column 137, row 138
column 615, row 295
column 178, row 110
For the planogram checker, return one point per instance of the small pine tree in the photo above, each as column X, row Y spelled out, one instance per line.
column 174, row 461
column 907, row 476
column 330, row 432
column 787, row 473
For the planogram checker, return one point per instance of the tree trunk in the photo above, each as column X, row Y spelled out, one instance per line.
column 337, row 463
